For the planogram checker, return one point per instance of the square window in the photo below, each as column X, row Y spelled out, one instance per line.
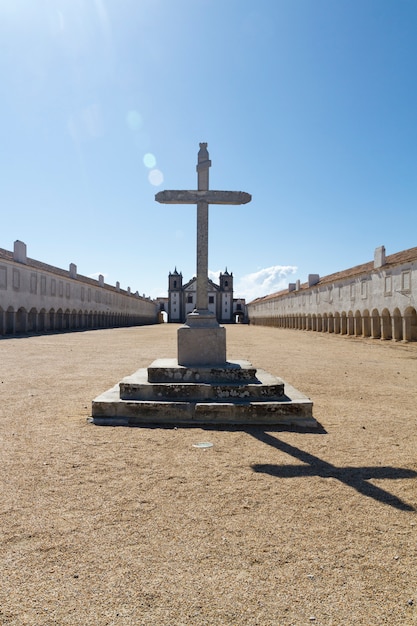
column 33, row 283
column 16, row 279
column 406, row 281
column 3, row 277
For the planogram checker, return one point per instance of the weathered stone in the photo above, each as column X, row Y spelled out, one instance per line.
column 201, row 346
column 293, row 408
column 211, row 197
column 168, row 371
column 264, row 386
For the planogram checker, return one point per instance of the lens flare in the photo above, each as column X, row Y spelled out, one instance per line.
column 149, row 160
column 156, row 177
column 134, row 120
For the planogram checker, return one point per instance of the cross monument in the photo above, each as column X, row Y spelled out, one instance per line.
column 202, row 340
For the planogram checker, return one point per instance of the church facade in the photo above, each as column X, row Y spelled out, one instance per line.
column 182, row 299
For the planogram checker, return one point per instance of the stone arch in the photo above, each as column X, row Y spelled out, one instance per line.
column 10, row 321
column 51, row 322
column 366, row 324
column 2, row 321
column 42, row 327
column 375, row 324
column 350, row 324
column 330, row 323
column 386, row 325
column 66, row 320
column 410, row 324
column 337, row 326
column 343, row 323
column 309, row 324
column 21, row 320
column 314, row 322
column 397, row 325
column 32, row 324
column 325, row 327
column 59, row 320
column 358, row 323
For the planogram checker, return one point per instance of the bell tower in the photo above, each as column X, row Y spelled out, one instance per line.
column 226, row 296
column 174, row 281
column 226, row 281
column 175, row 297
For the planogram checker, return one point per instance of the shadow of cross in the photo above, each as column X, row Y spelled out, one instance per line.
column 356, row 477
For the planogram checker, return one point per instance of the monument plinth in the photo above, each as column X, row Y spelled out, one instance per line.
column 201, row 386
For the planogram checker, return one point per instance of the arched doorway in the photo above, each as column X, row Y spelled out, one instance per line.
column 10, row 323
column 21, row 321
column 366, row 324
column 32, row 325
column 337, row 323
column 410, row 324
column 386, row 325
column 42, row 320
column 358, row 324
column 397, row 327
column 375, row 324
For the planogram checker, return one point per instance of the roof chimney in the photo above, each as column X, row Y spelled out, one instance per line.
column 313, row 279
column 19, row 252
column 379, row 257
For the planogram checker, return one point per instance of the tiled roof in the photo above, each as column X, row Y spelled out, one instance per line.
column 33, row 263
column 399, row 258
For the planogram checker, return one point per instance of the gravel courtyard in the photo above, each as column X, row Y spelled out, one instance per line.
column 135, row 526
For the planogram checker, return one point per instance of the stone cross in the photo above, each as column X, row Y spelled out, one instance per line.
column 202, row 197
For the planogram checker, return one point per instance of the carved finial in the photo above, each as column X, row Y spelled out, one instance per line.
column 203, row 157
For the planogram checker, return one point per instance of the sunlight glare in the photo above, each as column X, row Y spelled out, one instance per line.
column 149, row 160
column 134, row 120
column 156, row 177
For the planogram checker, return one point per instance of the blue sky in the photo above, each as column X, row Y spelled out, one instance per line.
column 309, row 105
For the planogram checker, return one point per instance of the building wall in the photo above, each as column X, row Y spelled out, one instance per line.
column 374, row 300
column 36, row 297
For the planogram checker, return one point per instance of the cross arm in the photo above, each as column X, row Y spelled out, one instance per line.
column 211, row 197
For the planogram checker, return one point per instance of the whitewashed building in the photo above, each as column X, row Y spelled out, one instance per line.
column 182, row 299
column 36, row 297
column 376, row 299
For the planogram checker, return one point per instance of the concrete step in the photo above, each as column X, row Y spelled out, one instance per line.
column 263, row 387
column 293, row 408
column 168, row 371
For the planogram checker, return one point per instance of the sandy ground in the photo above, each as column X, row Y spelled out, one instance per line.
column 126, row 526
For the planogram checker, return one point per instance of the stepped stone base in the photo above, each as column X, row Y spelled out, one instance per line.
column 231, row 393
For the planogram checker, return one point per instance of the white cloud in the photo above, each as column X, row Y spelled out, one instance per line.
column 263, row 282
column 95, row 275
column 214, row 276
